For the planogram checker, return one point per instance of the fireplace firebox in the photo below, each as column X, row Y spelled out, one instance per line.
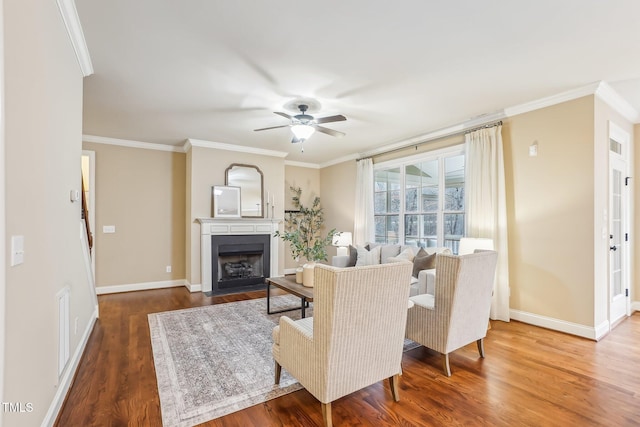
column 239, row 262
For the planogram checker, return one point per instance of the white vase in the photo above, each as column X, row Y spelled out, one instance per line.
column 307, row 274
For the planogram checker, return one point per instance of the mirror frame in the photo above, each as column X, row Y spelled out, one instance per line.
column 226, row 179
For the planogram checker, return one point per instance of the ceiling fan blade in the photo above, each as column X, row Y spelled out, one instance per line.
column 338, row 118
column 329, row 131
column 285, row 115
column 272, row 127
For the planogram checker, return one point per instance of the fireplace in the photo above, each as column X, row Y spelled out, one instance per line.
column 239, row 262
column 235, row 231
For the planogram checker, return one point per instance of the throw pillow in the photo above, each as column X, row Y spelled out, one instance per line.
column 407, row 254
column 353, row 255
column 423, row 262
column 368, row 257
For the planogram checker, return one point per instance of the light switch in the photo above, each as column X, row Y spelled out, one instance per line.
column 108, row 229
column 17, row 250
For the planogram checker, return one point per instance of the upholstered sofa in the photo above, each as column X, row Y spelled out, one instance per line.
column 423, row 279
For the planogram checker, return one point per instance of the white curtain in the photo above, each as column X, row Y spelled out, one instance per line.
column 486, row 206
column 363, row 225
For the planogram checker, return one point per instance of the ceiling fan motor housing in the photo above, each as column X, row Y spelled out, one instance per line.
column 303, row 118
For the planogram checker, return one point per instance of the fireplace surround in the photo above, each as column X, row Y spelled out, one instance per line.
column 233, row 234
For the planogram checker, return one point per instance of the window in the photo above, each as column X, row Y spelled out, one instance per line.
column 421, row 201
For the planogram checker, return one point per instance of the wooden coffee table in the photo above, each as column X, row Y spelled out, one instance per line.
column 288, row 283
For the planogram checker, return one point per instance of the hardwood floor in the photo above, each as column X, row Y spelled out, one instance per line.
column 530, row 377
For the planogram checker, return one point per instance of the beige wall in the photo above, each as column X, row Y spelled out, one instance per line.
column 43, row 147
column 206, row 167
column 550, row 211
column 338, row 187
column 142, row 193
column 308, row 180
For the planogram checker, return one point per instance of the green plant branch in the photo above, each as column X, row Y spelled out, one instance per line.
column 303, row 230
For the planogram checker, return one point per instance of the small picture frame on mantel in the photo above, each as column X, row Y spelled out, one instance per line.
column 225, row 201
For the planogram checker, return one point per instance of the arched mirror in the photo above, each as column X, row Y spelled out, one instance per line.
column 249, row 179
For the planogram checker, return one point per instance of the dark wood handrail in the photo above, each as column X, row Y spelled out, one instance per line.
column 85, row 216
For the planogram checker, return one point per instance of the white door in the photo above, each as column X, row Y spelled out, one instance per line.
column 618, row 228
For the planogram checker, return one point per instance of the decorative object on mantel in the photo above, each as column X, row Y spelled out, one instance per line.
column 249, row 179
column 303, row 232
column 225, row 201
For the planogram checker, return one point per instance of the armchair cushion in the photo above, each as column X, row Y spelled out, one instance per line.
column 424, row 300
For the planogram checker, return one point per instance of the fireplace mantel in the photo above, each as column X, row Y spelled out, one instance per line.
column 233, row 226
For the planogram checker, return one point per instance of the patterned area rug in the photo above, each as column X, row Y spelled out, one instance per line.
column 214, row 360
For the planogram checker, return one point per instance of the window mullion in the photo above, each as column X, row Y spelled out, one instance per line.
column 403, row 202
column 441, row 197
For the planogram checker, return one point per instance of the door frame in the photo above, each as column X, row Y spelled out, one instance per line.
column 622, row 162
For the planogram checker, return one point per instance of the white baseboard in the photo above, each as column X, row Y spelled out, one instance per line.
column 100, row 290
column 590, row 332
column 193, row 287
column 67, row 377
column 635, row 306
column 289, row 271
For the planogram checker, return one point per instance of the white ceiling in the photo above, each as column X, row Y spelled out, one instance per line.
column 214, row 70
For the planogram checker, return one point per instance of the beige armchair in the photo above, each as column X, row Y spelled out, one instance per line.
column 355, row 337
column 459, row 312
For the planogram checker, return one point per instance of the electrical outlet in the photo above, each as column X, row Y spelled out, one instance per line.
column 168, row 269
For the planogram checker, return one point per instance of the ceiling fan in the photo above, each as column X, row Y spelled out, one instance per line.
column 304, row 125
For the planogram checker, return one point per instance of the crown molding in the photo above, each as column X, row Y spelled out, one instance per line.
column 131, row 144
column 548, row 101
column 612, row 98
column 74, row 29
column 231, row 147
column 302, row 164
column 350, row 157
column 436, row 134
column 600, row 89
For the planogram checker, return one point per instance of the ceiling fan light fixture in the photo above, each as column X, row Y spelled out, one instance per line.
column 302, row 132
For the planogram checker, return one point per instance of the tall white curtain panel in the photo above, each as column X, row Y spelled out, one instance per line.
column 486, row 207
column 363, row 224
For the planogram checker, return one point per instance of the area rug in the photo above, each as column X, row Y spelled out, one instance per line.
column 214, row 360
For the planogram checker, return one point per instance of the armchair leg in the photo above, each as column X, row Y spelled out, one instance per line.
column 445, row 365
column 395, row 389
column 278, row 372
column 326, row 414
column 480, row 343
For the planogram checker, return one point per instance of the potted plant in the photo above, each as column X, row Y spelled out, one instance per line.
column 302, row 230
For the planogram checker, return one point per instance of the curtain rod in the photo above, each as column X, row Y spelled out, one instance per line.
column 418, row 144
column 487, row 126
